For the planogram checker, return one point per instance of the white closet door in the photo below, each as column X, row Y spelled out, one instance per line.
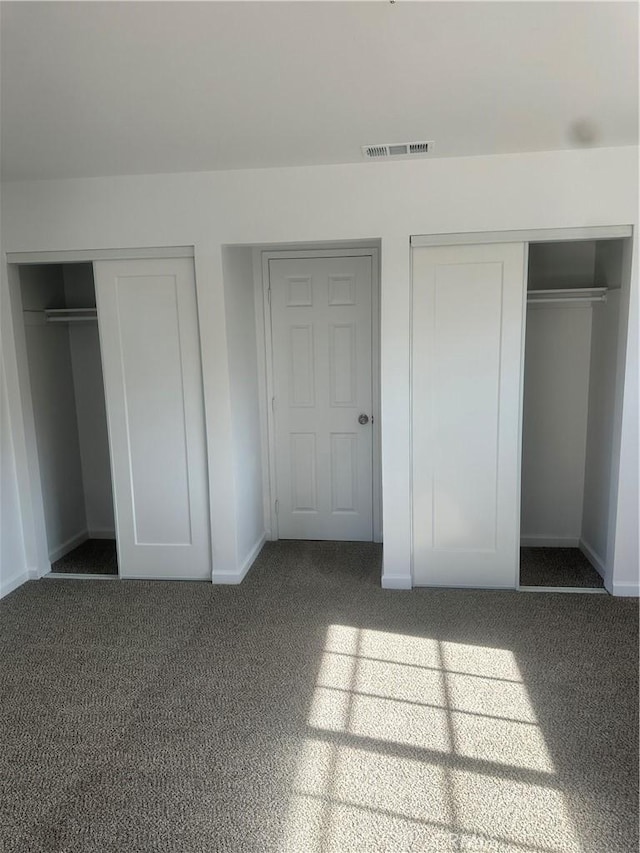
column 150, row 345
column 466, row 387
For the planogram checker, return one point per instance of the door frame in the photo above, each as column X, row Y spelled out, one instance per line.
column 29, row 481
column 545, row 235
column 262, row 257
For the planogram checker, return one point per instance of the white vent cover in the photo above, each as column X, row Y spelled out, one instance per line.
column 396, row 149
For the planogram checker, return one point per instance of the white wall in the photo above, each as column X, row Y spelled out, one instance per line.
column 91, row 411
column 13, row 569
column 625, row 577
column 598, row 469
column 558, row 265
column 389, row 201
column 554, row 433
column 239, row 302
column 608, row 263
column 13, row 558
column 54, row 410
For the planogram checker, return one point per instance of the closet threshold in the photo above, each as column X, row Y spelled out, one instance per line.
column 588, row 590
column 79, row 576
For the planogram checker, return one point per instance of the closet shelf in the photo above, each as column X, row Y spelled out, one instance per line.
column 572, row 294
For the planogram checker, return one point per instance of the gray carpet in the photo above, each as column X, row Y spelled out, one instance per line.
column 310, row 711
column 557, row 567
column 93, row 557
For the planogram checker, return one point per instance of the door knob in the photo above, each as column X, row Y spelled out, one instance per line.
column 363, row 419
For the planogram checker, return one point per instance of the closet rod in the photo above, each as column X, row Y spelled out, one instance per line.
column 85, row 319
column 565, row 299
column 70, row 315
column 564, row 295
column 63, row 315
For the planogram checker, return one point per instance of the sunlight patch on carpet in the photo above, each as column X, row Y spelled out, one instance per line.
column 418, row 743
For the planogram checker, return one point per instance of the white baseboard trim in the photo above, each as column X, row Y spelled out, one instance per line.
column 396, row 582
column 594, row 558
column 628, row 590
column 99, row 533
column 538, row 541
column 13, row 583
column 67, row 546
column 239, row 576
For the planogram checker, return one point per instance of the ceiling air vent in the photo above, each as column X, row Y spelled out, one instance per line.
column 396, row 150
column 373, row 151
column 419, row 147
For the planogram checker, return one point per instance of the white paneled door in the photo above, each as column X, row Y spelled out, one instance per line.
column 150, row 345
column 466, row 392
column 321, row 338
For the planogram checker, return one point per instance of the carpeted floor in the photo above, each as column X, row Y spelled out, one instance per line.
column 93, row 557
column 557, row 567
column 310, row 711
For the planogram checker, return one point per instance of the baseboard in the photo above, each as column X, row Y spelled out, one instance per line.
column 628, row 590
column 396, row 582
column 538, row 541
column 67, row 546
column 13, row 583
column 595, row 560
column 99, row 533
column 239, row 576
column 253, row 555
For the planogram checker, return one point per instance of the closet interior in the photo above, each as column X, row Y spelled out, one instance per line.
column 571, row 347
column 67, row 395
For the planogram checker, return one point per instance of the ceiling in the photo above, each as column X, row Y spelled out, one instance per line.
column 102, row 88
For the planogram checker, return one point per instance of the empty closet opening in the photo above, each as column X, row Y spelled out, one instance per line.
column 69, row 415
column 572, row 359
